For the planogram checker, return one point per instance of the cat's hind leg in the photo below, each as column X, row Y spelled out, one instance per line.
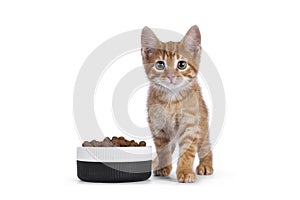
column 205, row 166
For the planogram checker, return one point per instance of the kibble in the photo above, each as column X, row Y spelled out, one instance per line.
column 142, row 144
column 114, row 142
column 96, row 143
column 133, row 143
column 87, row 144
column 107, row 140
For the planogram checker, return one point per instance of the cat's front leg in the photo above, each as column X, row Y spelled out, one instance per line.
column 187, row 150
column 163, row 167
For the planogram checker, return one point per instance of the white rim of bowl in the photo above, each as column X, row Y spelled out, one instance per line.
column 114, row 154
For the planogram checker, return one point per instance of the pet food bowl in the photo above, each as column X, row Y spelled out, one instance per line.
column 114, row 164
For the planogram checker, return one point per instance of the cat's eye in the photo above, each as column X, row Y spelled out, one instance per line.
column 160, row 65
column 182, row 65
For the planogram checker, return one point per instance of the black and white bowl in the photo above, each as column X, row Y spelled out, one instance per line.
column 114, row 164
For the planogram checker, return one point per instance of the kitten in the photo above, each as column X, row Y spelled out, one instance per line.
column 176, row 110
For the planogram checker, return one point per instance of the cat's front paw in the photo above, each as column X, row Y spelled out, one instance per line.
column 186, row 176
column 165, row 171
column 204, row 169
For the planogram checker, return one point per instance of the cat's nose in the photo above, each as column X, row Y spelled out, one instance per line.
column 171, row 77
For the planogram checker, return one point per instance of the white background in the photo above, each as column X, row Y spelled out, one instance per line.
column 254, row 44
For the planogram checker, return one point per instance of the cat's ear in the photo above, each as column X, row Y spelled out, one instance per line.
column 192, row 40
column 149, row 42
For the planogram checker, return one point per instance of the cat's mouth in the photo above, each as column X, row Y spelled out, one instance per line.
column 175, row 84
column 171, row 85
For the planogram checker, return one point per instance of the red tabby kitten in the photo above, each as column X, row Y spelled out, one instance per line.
column 177, row 113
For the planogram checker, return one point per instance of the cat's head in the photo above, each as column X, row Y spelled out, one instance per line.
column 171, row 65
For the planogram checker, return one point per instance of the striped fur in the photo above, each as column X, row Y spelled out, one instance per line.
column 177, row 113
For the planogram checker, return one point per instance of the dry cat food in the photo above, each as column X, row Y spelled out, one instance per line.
column 114, row 142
